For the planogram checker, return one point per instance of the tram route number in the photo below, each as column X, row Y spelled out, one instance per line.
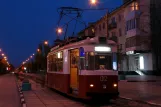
column 103, row 78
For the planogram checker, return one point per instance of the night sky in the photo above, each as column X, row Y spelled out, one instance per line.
column 25, row 23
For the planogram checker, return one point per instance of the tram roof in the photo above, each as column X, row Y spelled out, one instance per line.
column 86, row 42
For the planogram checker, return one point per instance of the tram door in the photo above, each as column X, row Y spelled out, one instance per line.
column 74, row 58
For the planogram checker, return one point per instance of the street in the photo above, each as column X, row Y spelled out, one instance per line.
column 144, row 91
column 9, row 96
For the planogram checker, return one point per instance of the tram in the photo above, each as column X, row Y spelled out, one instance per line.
column 84, row 69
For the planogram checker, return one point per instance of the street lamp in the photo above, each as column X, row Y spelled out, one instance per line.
column 59, row 30
column 38, row 50
column 93, row 2
column 46, row 42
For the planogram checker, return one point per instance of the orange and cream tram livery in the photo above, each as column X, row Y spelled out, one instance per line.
column 84, row 69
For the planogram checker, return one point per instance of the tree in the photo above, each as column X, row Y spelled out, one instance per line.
column 40, row 61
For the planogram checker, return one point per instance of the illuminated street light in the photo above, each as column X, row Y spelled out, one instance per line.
column 5, row 57
column 93, row 2
column 0, row 50
column 46, row 42
column 30, row 56
column 2, row 54
column 33, row 54
column 38, row 50
column 59, row 30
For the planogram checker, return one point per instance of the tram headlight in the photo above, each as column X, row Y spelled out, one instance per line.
column 114, row 85
column 91, row 85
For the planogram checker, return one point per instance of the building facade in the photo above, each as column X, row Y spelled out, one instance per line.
column 132, row 26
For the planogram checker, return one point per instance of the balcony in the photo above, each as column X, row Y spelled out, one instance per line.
column 112, row 25
column 138, row 43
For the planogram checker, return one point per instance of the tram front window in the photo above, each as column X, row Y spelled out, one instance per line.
column 97, row 61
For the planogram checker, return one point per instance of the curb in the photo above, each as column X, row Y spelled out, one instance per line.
column 145, row 102
column 137, row 81
column 22, row 99
column 142, row 81
column 123, row 80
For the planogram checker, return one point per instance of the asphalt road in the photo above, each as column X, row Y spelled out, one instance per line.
column 9, row 96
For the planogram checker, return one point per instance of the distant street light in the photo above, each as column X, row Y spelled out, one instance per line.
column 0, row 50
column 2, row 54
column 38, row 50
column 46, row 42
column 33, row 54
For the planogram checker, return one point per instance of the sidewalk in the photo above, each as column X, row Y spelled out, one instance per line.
column 149, row 92
column 42, row 97
column 144, row 78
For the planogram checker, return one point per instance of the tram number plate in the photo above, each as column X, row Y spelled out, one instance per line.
column 103, row 78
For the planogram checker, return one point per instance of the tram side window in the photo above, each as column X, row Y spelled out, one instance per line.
column 54, row 67
column 58, row 62
column 90, row 60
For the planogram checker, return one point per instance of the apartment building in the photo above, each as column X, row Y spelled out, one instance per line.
column 101, row 27
column 130, row 26
column 98, row 28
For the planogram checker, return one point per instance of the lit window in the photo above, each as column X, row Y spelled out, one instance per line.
column 141, row 62
column 135, row 6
